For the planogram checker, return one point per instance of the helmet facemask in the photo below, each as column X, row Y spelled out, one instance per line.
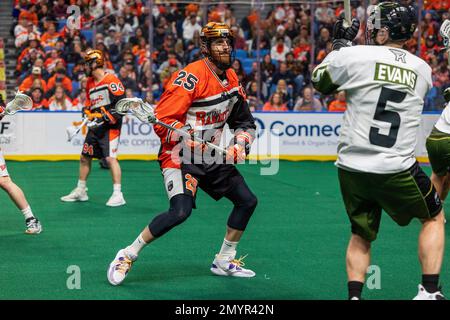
column 217, row 44
column 221, row 52
column 398, row 21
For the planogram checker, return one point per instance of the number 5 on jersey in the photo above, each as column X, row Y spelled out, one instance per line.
column 187, row 80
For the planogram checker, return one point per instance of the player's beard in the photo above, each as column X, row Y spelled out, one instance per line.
column 88, row 71
column 222, row 59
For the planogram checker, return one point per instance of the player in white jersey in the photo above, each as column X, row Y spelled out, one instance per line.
column 385, row 88
column 438, row 143
column 33, row 225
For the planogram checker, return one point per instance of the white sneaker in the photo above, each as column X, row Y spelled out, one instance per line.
column 119, row 267
column 116, row 200
column 424, row 295
column 77, row 194
column 33, row 226
column 229, row 266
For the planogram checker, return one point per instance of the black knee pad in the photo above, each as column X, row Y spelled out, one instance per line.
column 180, row 209
column 242, row 212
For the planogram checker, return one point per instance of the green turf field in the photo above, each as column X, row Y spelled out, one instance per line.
column 295, row 242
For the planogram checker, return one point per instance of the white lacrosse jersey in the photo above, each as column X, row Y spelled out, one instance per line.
column 385, row 89
column 443, row 124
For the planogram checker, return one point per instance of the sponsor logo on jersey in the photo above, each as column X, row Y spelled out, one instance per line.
column 3, row 167
column 215, row 116
column 393, row 74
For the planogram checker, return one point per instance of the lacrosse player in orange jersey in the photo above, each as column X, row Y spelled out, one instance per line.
column 202, row 97
column 102, row 140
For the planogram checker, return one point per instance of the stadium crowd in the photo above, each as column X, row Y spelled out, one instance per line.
column 51, row 46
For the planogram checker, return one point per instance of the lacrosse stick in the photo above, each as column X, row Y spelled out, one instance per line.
column 144, row 112
column 347, row 14
column 20, row 102
column 72, row 131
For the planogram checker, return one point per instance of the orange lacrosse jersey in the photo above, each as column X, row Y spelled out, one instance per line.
column 103, row 96
column 196, row 96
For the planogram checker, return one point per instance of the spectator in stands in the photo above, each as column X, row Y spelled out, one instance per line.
column 45, row 15
column 21, row 32
column 172, row 61
column 279, row 50
column 60, row 101
column 39, row 101
column 290, row 61
column 131, row 67
column 267, row 67
column 60, row 9
column 190, row 25
column 31, row 34
column 323, row 41
column 308, row 102
column 339, row 104
column 275, row 104
column 127, row 81
column 124, row 28
column 79, row 102
column 281, row 33
column 264, row 41
column 60, row 79
column 283, row 74
column 87, row 20
column 114, row 7
column 28, row 58
column 96, row 8
column 324, row 16
column 429, row 49
column 136, row 38
column 237, row 66
column 285, row 92
column 130, row 18
column 302, row 47
column 239, row 42
column 252, row 95
column 28, row 81
column 30, row 14
column 291, row 28
column 52, row 60
column 50, row 37
column 253, row 73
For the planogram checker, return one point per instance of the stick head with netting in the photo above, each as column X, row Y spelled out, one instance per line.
column 140, row 109
column 20, row 102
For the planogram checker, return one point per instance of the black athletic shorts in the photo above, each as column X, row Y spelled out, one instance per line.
column 102, row 144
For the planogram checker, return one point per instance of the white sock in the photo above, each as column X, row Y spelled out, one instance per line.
column 228, row 248
column 27, row 213
column 136, row 246
column 81, row 184
column 117, row 187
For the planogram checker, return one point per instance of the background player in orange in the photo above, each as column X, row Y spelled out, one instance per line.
column 201, row 98
column 33, row 225
column 102, row 140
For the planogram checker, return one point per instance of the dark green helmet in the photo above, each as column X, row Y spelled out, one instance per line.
column 399, row 20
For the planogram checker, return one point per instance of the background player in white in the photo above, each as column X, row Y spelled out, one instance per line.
column 33, row 225
column 385, row 87
column 438, row 143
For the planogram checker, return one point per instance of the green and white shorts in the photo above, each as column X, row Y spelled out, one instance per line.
column 438, row 148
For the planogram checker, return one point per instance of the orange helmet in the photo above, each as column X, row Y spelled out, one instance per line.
column 96, row 56
column 212, row 31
